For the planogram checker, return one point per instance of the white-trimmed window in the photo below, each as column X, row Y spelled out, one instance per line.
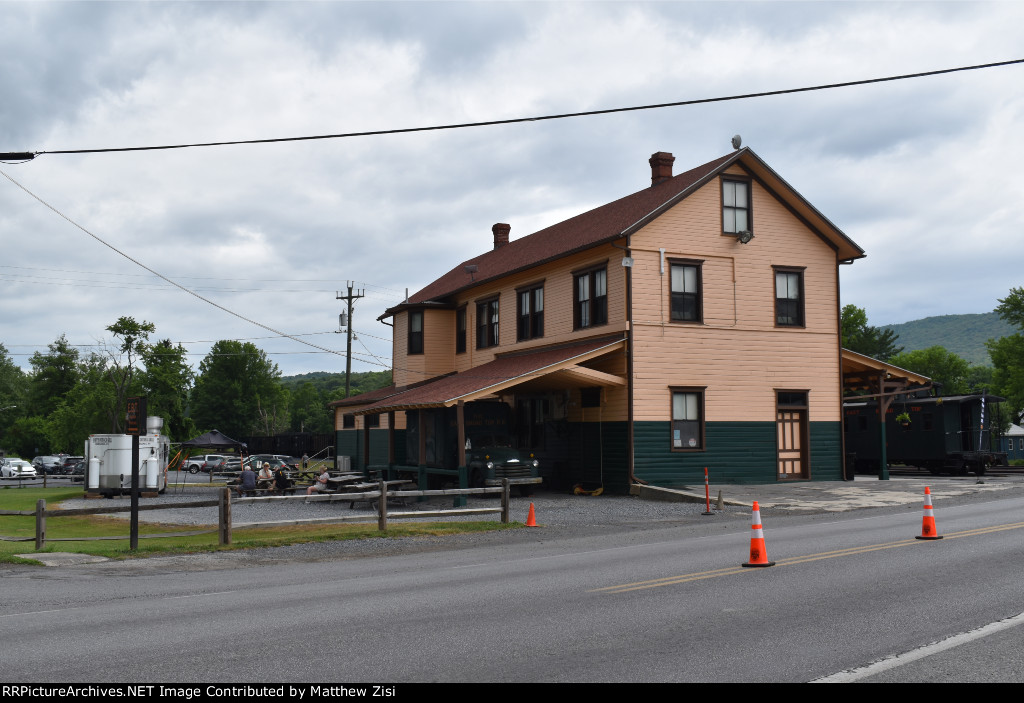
column 736, row 206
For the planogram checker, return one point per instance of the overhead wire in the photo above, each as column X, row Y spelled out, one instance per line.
column 538, row 118
column 160, row 275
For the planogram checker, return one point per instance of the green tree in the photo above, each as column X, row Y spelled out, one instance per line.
column 27, row 437
column 86, row 409
column 941, row 366
column 859, row 336
column 167, row 381
column 309, row 410
column 53, row 375
column 980, row 378
column 1007, row 354
column 13, row 391
column 237, row 392
column 131, row 345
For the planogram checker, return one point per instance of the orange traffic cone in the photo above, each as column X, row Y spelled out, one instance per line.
column 758, row 555
column 531, row 521
column 928, row 530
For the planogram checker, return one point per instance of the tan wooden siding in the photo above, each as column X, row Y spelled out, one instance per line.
column 558, row 306
column 339, row 414
column 438, row 347
column 738, row 353
column 740, row 370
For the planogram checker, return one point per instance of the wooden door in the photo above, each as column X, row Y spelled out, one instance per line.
column 791, row 433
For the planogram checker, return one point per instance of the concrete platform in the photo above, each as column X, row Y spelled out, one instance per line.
column 835, row 496
column 62, row 558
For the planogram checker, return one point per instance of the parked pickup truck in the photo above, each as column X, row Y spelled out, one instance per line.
column 490, row 459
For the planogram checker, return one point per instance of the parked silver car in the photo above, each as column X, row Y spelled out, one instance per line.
column 194, row 464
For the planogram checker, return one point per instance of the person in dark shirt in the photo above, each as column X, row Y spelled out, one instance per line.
column 281, row 480
column 247, row 482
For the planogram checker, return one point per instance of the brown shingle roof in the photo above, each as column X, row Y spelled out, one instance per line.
column 599, row 225
column 481, row 379
column 364, row 398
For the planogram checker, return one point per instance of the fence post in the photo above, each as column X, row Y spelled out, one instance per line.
column 224, row 515
column 40, row 524
column 382, row 508
column 504, row 500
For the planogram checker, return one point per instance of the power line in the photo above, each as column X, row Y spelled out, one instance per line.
column 160, row 275
column 516, row 120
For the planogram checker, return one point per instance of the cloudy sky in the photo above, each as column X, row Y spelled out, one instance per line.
column 923, row 174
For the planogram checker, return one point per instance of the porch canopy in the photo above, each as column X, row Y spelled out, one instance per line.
column 562, row 362
column 864, row 378
column 862, row 373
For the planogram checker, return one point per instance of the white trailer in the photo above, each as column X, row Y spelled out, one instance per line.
column 108, row 460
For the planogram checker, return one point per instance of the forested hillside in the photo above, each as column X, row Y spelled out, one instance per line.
column 964, row 335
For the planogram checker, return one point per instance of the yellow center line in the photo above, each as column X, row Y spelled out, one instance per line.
column 789, row 561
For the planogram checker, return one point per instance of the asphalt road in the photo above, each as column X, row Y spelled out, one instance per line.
column 669, row 603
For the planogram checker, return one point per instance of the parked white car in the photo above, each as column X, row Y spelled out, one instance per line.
column 17, row 468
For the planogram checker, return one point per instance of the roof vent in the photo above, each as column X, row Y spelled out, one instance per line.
column 501, row 231
column 661, row 167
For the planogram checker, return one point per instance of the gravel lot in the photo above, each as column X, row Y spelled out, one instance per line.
column 551, row 509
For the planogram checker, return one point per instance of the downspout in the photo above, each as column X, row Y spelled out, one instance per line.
column 842, row 417
column 631, row 477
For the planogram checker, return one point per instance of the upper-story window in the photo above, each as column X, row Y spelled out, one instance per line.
column 415, row 331
column 487, row 324
column 590, row 295
column 460, row 330
column 736, row 206
column 530, row 313
column 685, row 291
column 789, row 297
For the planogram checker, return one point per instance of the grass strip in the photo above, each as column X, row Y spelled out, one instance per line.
column 115, row 531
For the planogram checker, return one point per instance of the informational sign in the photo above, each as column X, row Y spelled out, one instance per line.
column 136, row 416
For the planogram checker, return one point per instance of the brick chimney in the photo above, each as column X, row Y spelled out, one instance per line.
column 501, row 231
column 661, row 167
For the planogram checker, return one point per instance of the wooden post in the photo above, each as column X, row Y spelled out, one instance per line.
column 133, row 520
column 382, row 511
column 391, row 442
column 504, row 500
column 224, row 510
column 40, row 524
column 883, row 407
column 460, row 421
column 421, row 453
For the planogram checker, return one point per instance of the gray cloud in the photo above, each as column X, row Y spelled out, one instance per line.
column 913, row 171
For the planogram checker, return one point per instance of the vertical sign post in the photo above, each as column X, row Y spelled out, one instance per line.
column 136, row 425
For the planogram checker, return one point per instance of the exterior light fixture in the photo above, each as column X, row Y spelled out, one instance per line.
column 744, row 237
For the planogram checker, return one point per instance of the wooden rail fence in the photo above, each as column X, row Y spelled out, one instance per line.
column 224, row 503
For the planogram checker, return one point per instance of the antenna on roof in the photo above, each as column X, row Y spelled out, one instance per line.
column 471, row 269
column 737, row 141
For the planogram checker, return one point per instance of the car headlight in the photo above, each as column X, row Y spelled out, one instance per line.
column 536, row 463
column 490, row 465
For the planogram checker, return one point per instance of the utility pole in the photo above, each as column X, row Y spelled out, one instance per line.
column 347, row 321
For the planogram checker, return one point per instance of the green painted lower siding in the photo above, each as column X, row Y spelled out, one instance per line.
column 350, row 443
column 737, row 452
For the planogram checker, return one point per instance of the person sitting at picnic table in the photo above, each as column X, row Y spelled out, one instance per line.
column 265, row 476
column 247, row 481
column 281, row 481
column 320, row 485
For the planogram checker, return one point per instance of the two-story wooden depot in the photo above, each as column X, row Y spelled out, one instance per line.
column 692, row 324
